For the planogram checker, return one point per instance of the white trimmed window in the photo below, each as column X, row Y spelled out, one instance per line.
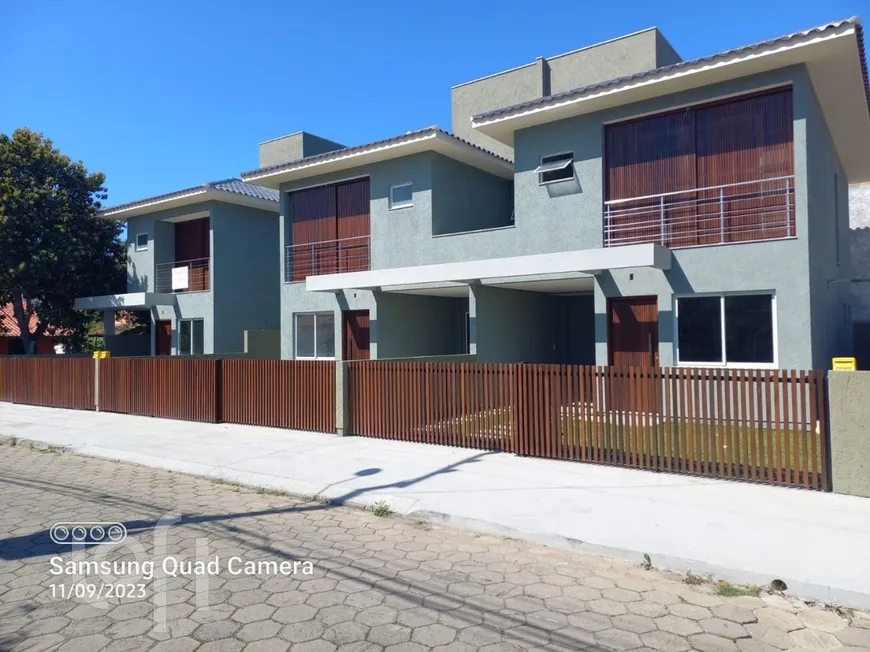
column 555, row 168
column 191, row 337
column 732, row 330
column 315, row 336
column 141, row 243
column 401, row 196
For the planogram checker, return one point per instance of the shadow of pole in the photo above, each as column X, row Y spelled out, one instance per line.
column 432, row 594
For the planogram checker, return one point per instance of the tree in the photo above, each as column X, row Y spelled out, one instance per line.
column 54, row 246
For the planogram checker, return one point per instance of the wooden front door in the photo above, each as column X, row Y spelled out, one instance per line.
column 355, row 338
column 632, row 347
column 633, row 332
column 164, row 337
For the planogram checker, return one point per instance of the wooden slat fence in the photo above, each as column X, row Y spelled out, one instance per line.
column 466, row 405
column 161, row 387
column 48, row 381
column 759, row 426
column 755, row 425
column 298, row 394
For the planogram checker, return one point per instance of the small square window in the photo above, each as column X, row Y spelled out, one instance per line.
column 142, row 242
column 401, row 196
column 555, row 167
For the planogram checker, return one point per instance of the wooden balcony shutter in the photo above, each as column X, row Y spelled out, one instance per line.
column 353, row 206
column 649, row 157
column 313, row 220
column 731, row 142
column 742, row 141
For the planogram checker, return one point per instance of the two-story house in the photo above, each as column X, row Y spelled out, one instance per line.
column 657, row 212
column 203, row 262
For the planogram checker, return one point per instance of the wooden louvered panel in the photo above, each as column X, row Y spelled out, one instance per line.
column 335, row 220
column 353, row 206
column 313, row 220
column 649, row 157
column 741, row 141
column 667, row 158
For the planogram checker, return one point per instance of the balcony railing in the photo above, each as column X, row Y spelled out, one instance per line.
column 326, row 257
column 182, row 276
column 736, row 212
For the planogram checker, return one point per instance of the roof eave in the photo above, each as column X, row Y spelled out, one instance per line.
column 434, row 140
column 498, row 124
column 841, row 95
column 197, row 196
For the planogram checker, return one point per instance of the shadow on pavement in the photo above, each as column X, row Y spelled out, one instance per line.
column 433, row 594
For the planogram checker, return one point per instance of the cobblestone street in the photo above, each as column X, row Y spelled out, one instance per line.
column 375, row 582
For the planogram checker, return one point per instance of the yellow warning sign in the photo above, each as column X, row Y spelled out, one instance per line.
column 101, row 354
column 844, row 364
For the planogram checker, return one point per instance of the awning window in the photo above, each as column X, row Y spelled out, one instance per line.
column 553, row 166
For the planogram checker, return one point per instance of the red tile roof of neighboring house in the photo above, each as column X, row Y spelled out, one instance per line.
column 9, row 325
column 123, row 321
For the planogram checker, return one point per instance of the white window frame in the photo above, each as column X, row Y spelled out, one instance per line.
column 190, row 321
column 136, row 246
column 407, row 204
column 724, row 364
column 296, row 316
column 570, row 166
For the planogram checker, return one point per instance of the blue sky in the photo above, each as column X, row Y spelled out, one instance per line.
column 167, row 94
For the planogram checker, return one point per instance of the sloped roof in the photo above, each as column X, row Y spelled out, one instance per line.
column 710, row 59
column 231, row 186
column 250, row 189
column 378, row 147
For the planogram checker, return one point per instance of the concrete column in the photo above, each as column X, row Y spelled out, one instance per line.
column 341, row 408
column 849, row 413
column 153, row 314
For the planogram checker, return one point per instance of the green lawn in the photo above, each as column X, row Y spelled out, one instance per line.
column 678, row 445
column 697, row 444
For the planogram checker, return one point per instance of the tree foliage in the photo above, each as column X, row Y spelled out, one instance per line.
column 54, row 247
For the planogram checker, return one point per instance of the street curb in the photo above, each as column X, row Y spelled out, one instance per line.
column 333, row 495
column 6, row 440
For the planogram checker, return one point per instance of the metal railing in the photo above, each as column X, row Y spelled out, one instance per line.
column 734, row 212
column 327, row 257
column 182, row 276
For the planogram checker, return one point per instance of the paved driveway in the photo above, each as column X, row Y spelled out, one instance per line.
column 350, row 580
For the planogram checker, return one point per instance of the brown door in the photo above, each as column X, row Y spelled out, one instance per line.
column 355, row 344
column 164, row 337
column 633, row 332
column 633, row 341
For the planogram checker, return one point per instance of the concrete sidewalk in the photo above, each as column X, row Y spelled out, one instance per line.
column 818, row 543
